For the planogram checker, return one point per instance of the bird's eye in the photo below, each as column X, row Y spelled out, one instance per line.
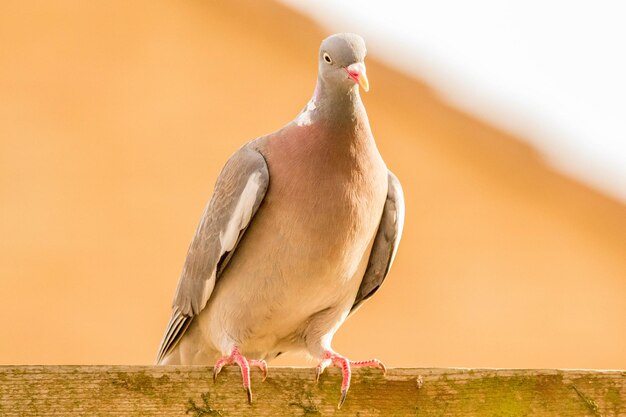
column 327, row 58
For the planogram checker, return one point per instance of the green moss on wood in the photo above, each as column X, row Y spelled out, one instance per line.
column 591, row 404
column 613, row 398
column 138, row 382
column 307, row 404
column 205, row 410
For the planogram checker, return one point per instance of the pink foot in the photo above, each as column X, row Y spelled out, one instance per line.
column 236, row 358
column 331, row 358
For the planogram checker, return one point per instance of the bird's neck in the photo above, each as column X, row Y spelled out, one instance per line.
column 332, row 134
column 340, row 111
column 338, row 103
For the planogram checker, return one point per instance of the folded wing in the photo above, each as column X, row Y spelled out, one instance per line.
column 238, row 194
column 385, row 243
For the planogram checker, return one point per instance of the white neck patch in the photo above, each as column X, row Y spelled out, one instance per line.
column 304, row 118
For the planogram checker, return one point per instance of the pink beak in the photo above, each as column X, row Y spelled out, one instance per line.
column 356, row 71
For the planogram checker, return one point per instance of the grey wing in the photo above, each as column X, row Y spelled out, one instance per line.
column 239, row 191
column 385, row 243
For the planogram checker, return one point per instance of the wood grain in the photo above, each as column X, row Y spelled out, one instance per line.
column 190, row 391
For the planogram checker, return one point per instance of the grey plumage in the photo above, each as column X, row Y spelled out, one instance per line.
column 207, row 256
column 385, row 244
column 302, row 228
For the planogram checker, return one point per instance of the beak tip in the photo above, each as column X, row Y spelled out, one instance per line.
column 364, row 83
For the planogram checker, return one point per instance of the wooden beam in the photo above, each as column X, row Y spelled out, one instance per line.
column 189, row 391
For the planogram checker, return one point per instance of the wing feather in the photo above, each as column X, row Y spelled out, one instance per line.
column 175, row 329
column 385, row 243
column 238, row 194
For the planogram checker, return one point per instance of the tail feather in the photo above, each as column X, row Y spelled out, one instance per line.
column 176, row 327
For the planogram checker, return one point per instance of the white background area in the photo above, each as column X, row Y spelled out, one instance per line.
column 553, row 72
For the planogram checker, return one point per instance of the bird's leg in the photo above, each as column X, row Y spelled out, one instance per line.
column 236, row 358
column 332, row 358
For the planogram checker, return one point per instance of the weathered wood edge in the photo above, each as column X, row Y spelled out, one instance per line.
column 190, row 391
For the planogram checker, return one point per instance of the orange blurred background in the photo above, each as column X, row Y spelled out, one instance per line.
column 115, row 118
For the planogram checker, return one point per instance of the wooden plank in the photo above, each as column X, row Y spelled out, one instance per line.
column 190, row 391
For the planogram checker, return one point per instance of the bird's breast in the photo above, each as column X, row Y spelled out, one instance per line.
column 307, row 247
column 325, row 202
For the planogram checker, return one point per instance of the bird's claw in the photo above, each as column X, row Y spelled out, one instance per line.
column 236, row 358
column 215, row 372
column 382, row 366
column 319, row 370
column 261, row 364
column 331, row 358
column 344, row 393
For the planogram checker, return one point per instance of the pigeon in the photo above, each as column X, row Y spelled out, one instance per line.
column 302, row 228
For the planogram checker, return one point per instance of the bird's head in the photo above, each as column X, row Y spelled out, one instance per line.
column 341, row 61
